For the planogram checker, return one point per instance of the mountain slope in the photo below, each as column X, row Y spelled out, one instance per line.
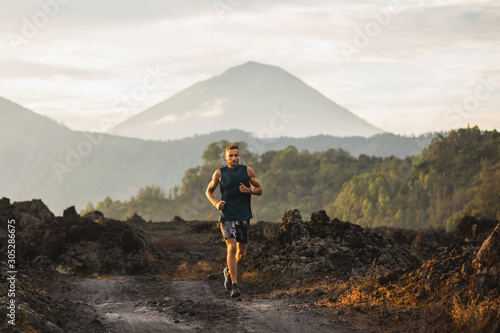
column 27, row 137
column 261, row 99
column 42, row 159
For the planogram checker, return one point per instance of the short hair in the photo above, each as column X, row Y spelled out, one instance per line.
column 231, row 146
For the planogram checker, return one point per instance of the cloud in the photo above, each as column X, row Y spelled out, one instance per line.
column 414, row 32
column 19, row 68
column 91, row 52
column 104, row 11
column 209, row 109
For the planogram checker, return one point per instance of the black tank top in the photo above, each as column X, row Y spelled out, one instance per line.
column 237, row 206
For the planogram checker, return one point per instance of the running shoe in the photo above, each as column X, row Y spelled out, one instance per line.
column 235, row 292
column 227, row 278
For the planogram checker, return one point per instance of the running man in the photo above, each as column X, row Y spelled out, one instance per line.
column 238, row 183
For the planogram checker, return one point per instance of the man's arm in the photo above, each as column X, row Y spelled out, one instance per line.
column 257, row 188
column 210, row 191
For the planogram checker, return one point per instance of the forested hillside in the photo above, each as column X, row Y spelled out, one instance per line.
column 455, row 175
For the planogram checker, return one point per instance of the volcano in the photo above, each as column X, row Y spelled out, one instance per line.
column 261, row 99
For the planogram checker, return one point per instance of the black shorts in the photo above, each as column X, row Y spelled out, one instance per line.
column 235, row 229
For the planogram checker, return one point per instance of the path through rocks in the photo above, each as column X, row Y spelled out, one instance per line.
column 149, row 304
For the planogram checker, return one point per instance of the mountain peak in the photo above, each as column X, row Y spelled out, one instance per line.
column 253, row 69
column 252, row 65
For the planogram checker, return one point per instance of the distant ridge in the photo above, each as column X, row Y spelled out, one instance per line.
column 261, row 99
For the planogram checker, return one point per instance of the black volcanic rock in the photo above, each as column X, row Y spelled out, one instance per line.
column 4, row 202
column 322, row 247
column 474, row 228
column 487, row 263
column 400, row 235
column 136, row 218
column 449, row 271
column 35, row 209
column 488, row 257
column 70, row 211
column 178, row 219
column 319, row 217
column 427, row 240
column 95, row 215
column 84, row 245
column 291, row 227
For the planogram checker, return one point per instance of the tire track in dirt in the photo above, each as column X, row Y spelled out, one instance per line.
column 148, row 304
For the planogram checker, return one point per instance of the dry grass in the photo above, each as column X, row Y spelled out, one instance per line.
column 400, row 306
column 249, row 275
column 373, row 304
column 475, row 315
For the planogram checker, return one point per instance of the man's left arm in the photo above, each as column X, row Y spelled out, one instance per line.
column 257, row 188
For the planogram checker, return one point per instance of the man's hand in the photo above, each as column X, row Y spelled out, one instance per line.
column 244, row 188
column 220, row 205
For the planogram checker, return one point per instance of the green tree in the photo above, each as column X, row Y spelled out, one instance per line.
column 488, row 198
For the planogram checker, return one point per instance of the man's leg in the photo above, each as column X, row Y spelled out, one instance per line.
column 236, row 252
column 231, row 259
column 241, row 251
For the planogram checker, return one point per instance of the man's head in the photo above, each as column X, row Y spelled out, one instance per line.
column 232, row 155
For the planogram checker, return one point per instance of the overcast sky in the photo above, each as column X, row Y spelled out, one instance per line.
column 406, row 66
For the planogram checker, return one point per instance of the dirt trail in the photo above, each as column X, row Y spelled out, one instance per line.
column 148, row 304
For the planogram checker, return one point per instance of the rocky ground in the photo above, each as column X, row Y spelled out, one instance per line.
column 93, row 274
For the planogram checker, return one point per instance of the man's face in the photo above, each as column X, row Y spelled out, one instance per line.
column 233, row 158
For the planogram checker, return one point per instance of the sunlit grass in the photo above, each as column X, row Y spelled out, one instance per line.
column 471, row 316
column 401, row 305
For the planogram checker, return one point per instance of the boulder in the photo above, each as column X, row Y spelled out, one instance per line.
column 291, row 227
column 136, row 218
column 178, row 219
column 70, row 211
column 35, row 208
column 487, row 262
column 95, row 216
column 30, row 214
column 319, row 217
column 4, row 203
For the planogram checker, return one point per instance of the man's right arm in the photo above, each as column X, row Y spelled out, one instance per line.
column 210, row 191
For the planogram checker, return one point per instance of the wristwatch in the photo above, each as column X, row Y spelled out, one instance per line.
column 251, row 189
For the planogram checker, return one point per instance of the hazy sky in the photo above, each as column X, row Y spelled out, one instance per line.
column 408, row 67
